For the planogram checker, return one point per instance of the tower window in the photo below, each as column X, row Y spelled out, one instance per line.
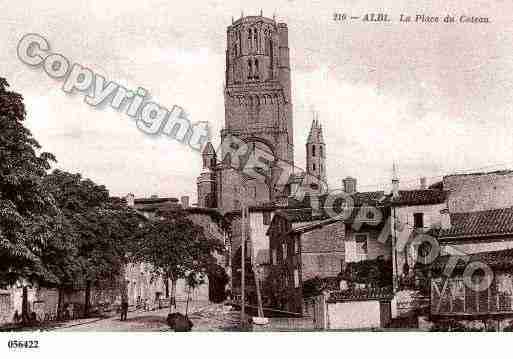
column 320, row 150
column 250, row 69
column 257, row 71
column 250, row 38
column 313, row 167
column 313, row 151
column 255, row 37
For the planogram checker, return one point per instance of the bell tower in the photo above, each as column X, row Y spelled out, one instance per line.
column 258, row 107
column 316, row 156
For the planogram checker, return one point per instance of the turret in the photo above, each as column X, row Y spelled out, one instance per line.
column 209, row 156
column 207, row 191
column 316, row 151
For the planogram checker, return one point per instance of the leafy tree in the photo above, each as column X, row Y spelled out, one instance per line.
column 97, row 233
column 177, row 248
column 27, row 211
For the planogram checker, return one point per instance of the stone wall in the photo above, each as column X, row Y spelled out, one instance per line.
column 479, row 192
column 322, row 251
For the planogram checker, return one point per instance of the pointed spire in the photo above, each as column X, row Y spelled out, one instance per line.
column 209, row 149
column 394, row 172
column 395, row 182
column 311, row 135
column 321, row 137
column 315, row 135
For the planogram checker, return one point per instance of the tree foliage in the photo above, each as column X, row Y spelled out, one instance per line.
column 177, row 248
column 27, row 211
column 97, row 231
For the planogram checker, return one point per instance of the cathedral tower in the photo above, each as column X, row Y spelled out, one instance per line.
column 258, row 107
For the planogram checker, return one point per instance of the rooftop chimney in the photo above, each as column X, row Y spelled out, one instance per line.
column 423, row 184
column 130, row 200
column 445, row 219
column 185, row 201
column 349, row 184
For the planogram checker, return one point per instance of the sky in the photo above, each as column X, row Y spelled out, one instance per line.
column 433, row 98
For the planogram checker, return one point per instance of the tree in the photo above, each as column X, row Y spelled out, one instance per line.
column 27, row 211
column 97, row 233
column 177, row 248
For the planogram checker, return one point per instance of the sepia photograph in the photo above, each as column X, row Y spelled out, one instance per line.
column 254, row 167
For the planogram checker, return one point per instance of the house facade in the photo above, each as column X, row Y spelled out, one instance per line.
column 480, row 286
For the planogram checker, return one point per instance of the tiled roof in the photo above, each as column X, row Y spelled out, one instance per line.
column 419, row 197
column 368, row 197
column 153, row 200
column 482, row 223
column 493, row 258
column 299, row 215
column 361, row 294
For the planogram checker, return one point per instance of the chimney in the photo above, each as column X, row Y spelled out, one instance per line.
column 395, row 182
column 185, row 201
column 445, row 219
column 349, row 184
column 130, row 200
column 423, row 184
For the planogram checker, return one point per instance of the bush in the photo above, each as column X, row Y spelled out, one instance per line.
column 179, row 322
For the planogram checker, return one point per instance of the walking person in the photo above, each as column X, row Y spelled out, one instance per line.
column 124, row 308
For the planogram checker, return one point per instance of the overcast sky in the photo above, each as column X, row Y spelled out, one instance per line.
column 434, row 98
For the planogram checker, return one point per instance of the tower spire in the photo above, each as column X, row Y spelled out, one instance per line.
column 395, row 181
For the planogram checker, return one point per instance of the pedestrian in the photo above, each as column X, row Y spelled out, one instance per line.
column 124, row 308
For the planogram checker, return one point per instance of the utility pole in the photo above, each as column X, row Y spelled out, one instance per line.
column 243, row 261
column 257, row 283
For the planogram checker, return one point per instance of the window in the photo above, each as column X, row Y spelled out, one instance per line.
column 313, row 150
column 296, row 278
column 266, row 218
column 255, row 37
column 296, row 245
column 257, row 71
column 284, row 249
column 274, row 258
column 313, row 167
column 361, row 243
column 418, row 220
column 320, row 150
column 250, row 69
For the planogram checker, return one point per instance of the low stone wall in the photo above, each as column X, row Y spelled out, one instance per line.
column 285, row 324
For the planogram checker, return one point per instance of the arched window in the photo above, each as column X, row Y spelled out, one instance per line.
column 320, row 150
column 250, row 38
column 313, row 167
column 257, row 70
column 255, row 37
column 250, row 69
column 313, row 150
column 239, row 42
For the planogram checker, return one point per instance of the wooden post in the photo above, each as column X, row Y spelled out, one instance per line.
column 243, row 264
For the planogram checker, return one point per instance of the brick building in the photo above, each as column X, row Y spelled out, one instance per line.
column 258, row 118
